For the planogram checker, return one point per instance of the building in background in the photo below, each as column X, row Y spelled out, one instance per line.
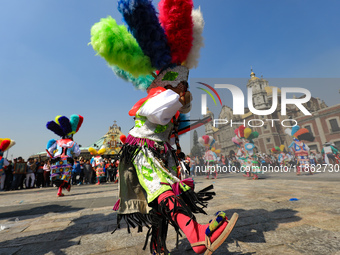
column 324, row 123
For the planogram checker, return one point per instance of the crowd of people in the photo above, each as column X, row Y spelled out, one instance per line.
column 196, row 164
column 35, row 173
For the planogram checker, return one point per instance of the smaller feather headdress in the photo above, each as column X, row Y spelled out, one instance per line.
column 278, row 149
column 94, row 152
column 64, row 127
column 245, row 133
column 5, row 144
column 301, row 134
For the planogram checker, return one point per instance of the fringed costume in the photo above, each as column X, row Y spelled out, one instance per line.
column 156, row 56
column 299, row 148
column 63, row 150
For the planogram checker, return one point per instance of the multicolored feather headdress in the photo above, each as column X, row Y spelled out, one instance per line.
column 94, row 152
column 5, row 144
column 64, row 127
column 154, row 50
column 245, row 133
column 278, row 149
column 300, row 133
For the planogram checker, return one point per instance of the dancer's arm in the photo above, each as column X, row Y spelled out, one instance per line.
column 161, row 108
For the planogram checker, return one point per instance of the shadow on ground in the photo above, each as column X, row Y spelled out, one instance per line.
column 36, row 211
column 58, row 240
column 249, row 228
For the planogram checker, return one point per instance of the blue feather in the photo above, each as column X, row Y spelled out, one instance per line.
column 140, row 15
column 141, row 83
column 50, row 143
column 65, row 124
column 295, row 129
column 55, row 128
column 74, row 120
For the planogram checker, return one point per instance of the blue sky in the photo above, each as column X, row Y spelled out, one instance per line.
column 47, row 67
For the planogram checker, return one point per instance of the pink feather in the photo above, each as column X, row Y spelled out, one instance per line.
column 116, row 206
column 175, row 17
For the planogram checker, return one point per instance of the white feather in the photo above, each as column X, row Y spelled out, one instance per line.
column 198, row 39
column 288, row 131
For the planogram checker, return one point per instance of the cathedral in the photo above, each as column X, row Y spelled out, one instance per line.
column 323, row 123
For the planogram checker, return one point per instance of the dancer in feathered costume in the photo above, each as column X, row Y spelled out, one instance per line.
column 300, row 149
column 156, row 56
column 98, row 164
column 281, row 156
column 210, row 156
column 63, row 150
column 5, row 144
column 245, row 154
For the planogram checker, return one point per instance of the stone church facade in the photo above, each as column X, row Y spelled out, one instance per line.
column 324, row 122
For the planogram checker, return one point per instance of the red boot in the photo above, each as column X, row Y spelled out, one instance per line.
column 298, row 170
column 60, row 189
column 246, row 175
column 203, row 238
column 68, row 187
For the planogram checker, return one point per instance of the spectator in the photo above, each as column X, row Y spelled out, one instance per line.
column 19, row 171
column 115, row 168
column 81, row 162
column 76, row 172
column 318, row 157
column 202, row 164
column 9, row 176
column 184, row 166
column 109, row 171
column 192, row 166
column 47, row 171
column 88, row 171
column 30, row 174
column 40, row 174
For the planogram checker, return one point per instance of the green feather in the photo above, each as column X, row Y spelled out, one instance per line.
column 118, row 47
column 74, row 120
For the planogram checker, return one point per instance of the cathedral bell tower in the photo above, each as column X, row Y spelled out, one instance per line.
column 260, row 99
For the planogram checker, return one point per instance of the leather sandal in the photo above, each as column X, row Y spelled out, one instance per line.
column 215, row 224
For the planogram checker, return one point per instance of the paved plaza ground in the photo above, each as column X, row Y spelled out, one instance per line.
column 36, row 222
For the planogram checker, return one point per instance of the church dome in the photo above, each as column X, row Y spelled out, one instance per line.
column 253, row 77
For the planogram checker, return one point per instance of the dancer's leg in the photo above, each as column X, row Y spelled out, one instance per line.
column 194, row 232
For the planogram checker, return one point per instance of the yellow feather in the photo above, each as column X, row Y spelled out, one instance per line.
column 57, row 119
column 101, row 151
column 247, row 132
column 93, row 151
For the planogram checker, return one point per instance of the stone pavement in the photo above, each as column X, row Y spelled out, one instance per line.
column 35, row 221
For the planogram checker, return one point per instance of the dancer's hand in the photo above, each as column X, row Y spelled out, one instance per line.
column 185, row 97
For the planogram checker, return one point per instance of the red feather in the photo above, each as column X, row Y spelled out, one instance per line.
column 241, row 131
column 206, row 139
column 175, row 17
column 4, row 145
column 122, row 138
column 80, row 122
